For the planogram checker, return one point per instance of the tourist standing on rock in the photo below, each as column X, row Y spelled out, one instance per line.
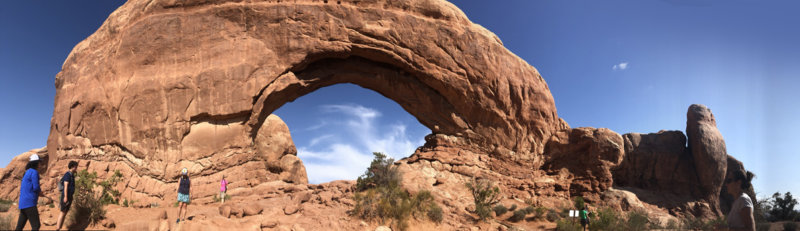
column 584, row 214
column 29, row 191
column 223, row 189
column 183, row 195
column 741, row 215
column 66, row 188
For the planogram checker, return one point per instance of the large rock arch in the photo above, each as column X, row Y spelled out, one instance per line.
column 165, row 85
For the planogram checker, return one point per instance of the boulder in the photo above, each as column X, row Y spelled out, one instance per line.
column 588, row 155
column 708, row 151
column 658, row 162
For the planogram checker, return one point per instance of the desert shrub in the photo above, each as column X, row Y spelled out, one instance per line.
column 789, row 226
column 513, row 207
column 88, row 205
column 529, row 209
column 381, row 172
column 500, row 210
column 578, row 203
column 217, row 199
column 5, row 205
column 695, row 223
column 379, row 196
column 637, row 220
column 109, row 195
column 518, row 215
column 539, row 212
column 435, row 213
column 552, row 215
column 484, row 195
column 606, row 219
column 568, row 225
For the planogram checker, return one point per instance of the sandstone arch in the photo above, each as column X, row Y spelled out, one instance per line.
column 158, row 77
column 165, row 85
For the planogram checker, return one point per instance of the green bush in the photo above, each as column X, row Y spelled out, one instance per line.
column 695, row 223
column 87, row 205
column 109, row 195
column 578, row 203
column 637, row 220
column 435, row 213
column 530, row 209
column 4, row 207
column 484, row 196
column 381, row 172
column 518, row 215
column 500, row 210
column 789, row 226
column 568, row 225
column 379, row 197
column 552, row 215
column 217, row 199
column 513, row 207
column 606, row 219
column 539, row 212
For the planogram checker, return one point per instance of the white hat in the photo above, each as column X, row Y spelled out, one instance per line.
column 34, row 157
column 184, row 171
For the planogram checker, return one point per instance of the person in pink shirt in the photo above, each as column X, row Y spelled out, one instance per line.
column 223, row 188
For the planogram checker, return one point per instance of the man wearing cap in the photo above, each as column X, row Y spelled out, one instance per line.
column 29, row 191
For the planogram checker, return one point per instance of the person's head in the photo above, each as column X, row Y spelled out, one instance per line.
column 223, row 177
column 739, row 181
column 73, row 166
column 185, row 173
column 33, row 162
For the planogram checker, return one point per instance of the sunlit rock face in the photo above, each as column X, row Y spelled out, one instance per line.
column 164, row 85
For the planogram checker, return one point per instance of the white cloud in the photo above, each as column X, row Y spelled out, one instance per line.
column 350, row 147
column 620, row 66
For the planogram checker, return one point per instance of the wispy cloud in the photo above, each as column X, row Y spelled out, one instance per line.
column 620, row 66
column 346, row 150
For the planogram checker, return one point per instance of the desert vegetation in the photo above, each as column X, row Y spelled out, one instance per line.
column 485, row 194
column 91, row 195
column 380, row 197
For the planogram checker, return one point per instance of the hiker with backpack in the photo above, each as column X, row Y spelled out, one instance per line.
column 66, row 187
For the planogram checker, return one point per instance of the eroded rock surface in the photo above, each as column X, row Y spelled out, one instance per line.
column 164, row 85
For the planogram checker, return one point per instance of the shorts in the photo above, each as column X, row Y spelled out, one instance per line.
column 584, row 222
column 64, row 207
column 183, row 198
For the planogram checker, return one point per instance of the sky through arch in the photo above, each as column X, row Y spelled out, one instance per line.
column 336, row 129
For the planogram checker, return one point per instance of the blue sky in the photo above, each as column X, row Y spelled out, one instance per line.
column 631, row 66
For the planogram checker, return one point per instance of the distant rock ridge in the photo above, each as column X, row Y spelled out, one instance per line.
column 164, row 85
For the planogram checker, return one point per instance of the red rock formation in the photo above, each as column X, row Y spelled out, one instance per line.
column 164, row 85
column 708, row 150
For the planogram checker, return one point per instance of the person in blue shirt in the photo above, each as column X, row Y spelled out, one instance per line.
column 29, row 192
column 67, row 186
